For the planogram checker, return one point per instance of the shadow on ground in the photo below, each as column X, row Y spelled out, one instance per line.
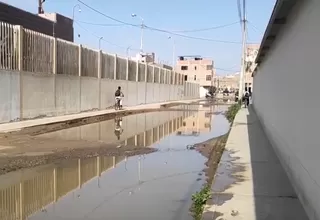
column 273, row 195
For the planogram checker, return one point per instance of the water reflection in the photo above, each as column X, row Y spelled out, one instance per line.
column 129, row 129
column 103, row 186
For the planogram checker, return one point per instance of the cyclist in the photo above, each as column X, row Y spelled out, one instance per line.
column 118, row 95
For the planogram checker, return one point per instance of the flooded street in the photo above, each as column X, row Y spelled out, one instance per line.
column 155, row 186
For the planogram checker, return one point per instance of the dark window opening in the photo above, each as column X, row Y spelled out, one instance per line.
column 208, row 78
column 209, row 67
column 185, row 77
column 195, row 68
column 184, row 67
column 195, row 77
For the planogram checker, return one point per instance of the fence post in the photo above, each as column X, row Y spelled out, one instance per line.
column 99, row 77
column 99, row 64
column 55, row 47
column 137, row 72
column 153, row 74
column 127, row 70
column 80, row 60
column 115, row 67
column 20, row 33
column 19, row 40
column 146, row 72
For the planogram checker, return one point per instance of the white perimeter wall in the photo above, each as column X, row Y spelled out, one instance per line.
column 27, row 95
column 286, row 99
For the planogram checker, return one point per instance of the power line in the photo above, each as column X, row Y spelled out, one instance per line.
column 100, row 24
column 99, row 37
column 255, row 28
column 206, row 29
column 107, row 16
column 175, row 31
column 156, row 29
column 192, row 37
column 227, row 70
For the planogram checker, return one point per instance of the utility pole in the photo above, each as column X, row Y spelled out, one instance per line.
column 243, row 61
column 40, row 8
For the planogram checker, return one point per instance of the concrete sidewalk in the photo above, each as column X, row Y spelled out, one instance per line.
column 14, row 126
column 250, row 183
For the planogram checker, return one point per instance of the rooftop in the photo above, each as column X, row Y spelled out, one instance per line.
column 278, row 18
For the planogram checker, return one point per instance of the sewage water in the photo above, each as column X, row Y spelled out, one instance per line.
column 156, row 186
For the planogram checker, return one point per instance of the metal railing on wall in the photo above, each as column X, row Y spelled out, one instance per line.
column 26, row 50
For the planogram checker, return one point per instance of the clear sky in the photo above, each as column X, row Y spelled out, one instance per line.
column 172, row 15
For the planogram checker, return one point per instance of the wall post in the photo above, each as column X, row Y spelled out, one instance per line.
column 115, row 67
column 137, row 72
column 54, row 53
column 80, row 60
column 127, row 70
column 153, row 74
column 99, row 64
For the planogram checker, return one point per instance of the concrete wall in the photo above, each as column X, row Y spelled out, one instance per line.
column 28, row 95
column 286, row 100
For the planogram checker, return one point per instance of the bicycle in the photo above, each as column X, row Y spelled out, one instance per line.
column 117, row 105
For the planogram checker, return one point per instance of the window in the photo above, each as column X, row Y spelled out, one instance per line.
column 184, row 124
column 184, row 67
column 185, row 77
column 209, row 67
column 195, row 67
column 193, row 124
column 195, row 77
column 208, row 77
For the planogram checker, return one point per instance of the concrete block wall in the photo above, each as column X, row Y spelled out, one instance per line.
column 65, row 78
column 286, row 100
column 25, row 95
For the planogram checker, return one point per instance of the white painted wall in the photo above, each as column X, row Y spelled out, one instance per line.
column 28, row 95
column 286, row 100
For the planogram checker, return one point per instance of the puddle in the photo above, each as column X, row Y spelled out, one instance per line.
column 154, row 186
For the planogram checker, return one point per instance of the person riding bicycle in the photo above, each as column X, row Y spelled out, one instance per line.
column 118, row 95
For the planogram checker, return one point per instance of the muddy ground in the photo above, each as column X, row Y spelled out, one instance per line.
column 213, row 150
column 24, row 149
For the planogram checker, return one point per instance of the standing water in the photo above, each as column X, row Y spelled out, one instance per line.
column 156, row 186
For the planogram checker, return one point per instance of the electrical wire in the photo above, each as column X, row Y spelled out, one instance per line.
column 155, row 29
column 175, row 31
column 99, row 37
column 192, row 37
column 99, row 24
column 227, row 70
column 107, row 16
column 254, row 27
column 206, row 29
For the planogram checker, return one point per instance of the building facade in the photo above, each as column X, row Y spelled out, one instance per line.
column 251, row 54
column 230, row 82
column 197, row 70
column 285, row 94
column 51, row 24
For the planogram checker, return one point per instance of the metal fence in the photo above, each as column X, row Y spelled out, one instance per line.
column 8, row 47
column 26, row 50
